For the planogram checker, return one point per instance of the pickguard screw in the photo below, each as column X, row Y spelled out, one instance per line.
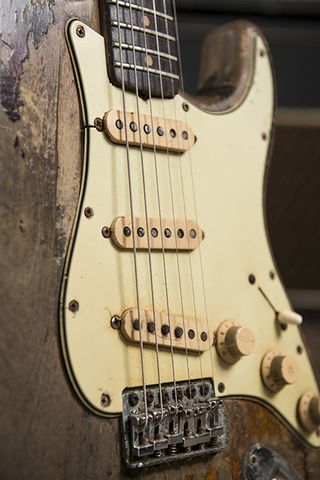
column 98, row 123
column 252, row 279
column 73, row 306
column 221, row 387
column 105, row 400
column 88, row 211
column 80, row 31
column 106, row 232
column 272, row 275
column 264, row 136
column 299, row 349
column 262, row 52
column 115, row 322
column 185, row 107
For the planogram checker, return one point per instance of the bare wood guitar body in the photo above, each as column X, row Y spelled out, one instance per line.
column 45, row 431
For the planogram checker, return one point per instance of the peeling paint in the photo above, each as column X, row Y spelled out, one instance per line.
column 19, row 21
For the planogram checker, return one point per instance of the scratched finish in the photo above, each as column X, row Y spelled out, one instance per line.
column 24, row 24
column 44, row 431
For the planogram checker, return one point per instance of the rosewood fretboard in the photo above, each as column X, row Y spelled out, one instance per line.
column 148, row 49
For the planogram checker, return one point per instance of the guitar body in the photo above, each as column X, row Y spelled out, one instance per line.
column 59, row 434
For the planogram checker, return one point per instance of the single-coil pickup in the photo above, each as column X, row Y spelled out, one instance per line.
column 165, row 235
column 154, row 132
column 183, row 332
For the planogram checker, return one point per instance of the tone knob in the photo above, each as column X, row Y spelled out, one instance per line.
column 309, row 411
column 233, row 341
column 278, row 370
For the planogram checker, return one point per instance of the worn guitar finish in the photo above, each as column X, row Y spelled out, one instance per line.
column 224, row 169
column 46, row 432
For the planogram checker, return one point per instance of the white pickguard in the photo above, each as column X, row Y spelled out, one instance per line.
column 228, row 163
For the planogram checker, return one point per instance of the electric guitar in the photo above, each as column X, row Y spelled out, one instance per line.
column 173, row 317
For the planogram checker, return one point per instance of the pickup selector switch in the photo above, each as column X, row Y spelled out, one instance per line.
column 277, row 371
column 233, row 341
column 309, row 411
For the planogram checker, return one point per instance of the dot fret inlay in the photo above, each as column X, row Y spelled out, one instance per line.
column 141, row 46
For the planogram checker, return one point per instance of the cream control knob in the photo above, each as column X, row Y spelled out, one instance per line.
column 233, row 341
column 287, row 317
column 278, row 370
column 309, row 411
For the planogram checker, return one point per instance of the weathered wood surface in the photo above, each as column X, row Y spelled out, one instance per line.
column 45, row 433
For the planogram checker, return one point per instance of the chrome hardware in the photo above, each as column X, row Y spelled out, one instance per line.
column 262, row 463
column 187, row 426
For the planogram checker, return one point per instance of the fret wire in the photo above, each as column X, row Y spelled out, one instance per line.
column 145, row 9
column 144, row 69
column 140, row 29
column 126, row 46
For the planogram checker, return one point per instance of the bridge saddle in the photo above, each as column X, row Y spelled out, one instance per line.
column 192, row 422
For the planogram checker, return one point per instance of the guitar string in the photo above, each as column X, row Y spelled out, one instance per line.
column 172, row 198
column 132, row 222
column 146, row 213
column 193, row 192
column 159, row 208
column 185, row 212
column 194, row 198
column 186, row 223
column 184, row 206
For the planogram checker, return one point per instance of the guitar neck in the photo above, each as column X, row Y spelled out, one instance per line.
column 141, row 46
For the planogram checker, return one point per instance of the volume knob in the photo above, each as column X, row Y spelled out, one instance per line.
column 309, row 411
column 234, row 341
column 278, row 370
